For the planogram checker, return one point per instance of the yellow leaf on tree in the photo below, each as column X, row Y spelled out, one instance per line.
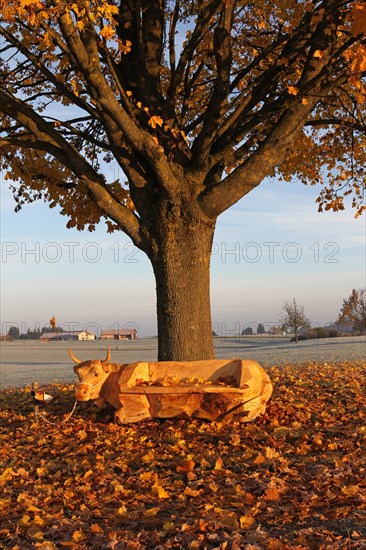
column 130, row 204
column 124, row 47
column 359, row 64
column 357, row 57
column 292, row 90
column 155, row 121
column 107, row 32
column 74, row 86
column 47, row 39
column 358, row 11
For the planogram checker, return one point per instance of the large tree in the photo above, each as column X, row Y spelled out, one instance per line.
column 353, row 310
column 195, row 102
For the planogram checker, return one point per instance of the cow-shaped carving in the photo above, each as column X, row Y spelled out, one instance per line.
column 218, row 389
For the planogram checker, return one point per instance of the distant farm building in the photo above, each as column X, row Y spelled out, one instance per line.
column 71, row 335
column 123, row 334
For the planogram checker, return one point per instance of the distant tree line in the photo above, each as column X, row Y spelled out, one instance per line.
column 351, row 319
column 15, row 334
column 248, row 331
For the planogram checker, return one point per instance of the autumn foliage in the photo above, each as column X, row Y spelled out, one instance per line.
column 294, row 479
column 130, row 82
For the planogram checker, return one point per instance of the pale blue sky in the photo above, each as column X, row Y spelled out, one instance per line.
column 272, row 246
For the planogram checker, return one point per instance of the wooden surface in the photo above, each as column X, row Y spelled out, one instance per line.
column 155, row 389
column 216, row 389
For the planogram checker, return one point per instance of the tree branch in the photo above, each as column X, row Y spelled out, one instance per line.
column 213, row 115
column 152, row 26
column 337, row 121
column 200, row 29
column 114, row 114
column 48, row 140
column 268, row 155
column 49, row 76
column 172, row 27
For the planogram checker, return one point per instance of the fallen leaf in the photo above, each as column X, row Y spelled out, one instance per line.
column 272, row 493
column 160, row 492
column 187, row 466
column 246, row 521
column 78, row 536
column 191, row 492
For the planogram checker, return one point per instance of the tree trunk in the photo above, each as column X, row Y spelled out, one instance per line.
column 181, row 265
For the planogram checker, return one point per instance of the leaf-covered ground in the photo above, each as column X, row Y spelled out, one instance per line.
column 293, row 479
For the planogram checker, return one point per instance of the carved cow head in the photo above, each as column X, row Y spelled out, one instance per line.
column 92, row 375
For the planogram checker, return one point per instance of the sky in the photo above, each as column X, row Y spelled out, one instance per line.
column 270, row 247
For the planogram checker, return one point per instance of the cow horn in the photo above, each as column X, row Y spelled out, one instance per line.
column 108, row 358
column 77, row 361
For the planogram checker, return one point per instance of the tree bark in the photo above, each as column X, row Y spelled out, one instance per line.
column 182, row 270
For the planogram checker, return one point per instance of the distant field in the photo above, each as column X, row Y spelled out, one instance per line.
column 22, row 363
